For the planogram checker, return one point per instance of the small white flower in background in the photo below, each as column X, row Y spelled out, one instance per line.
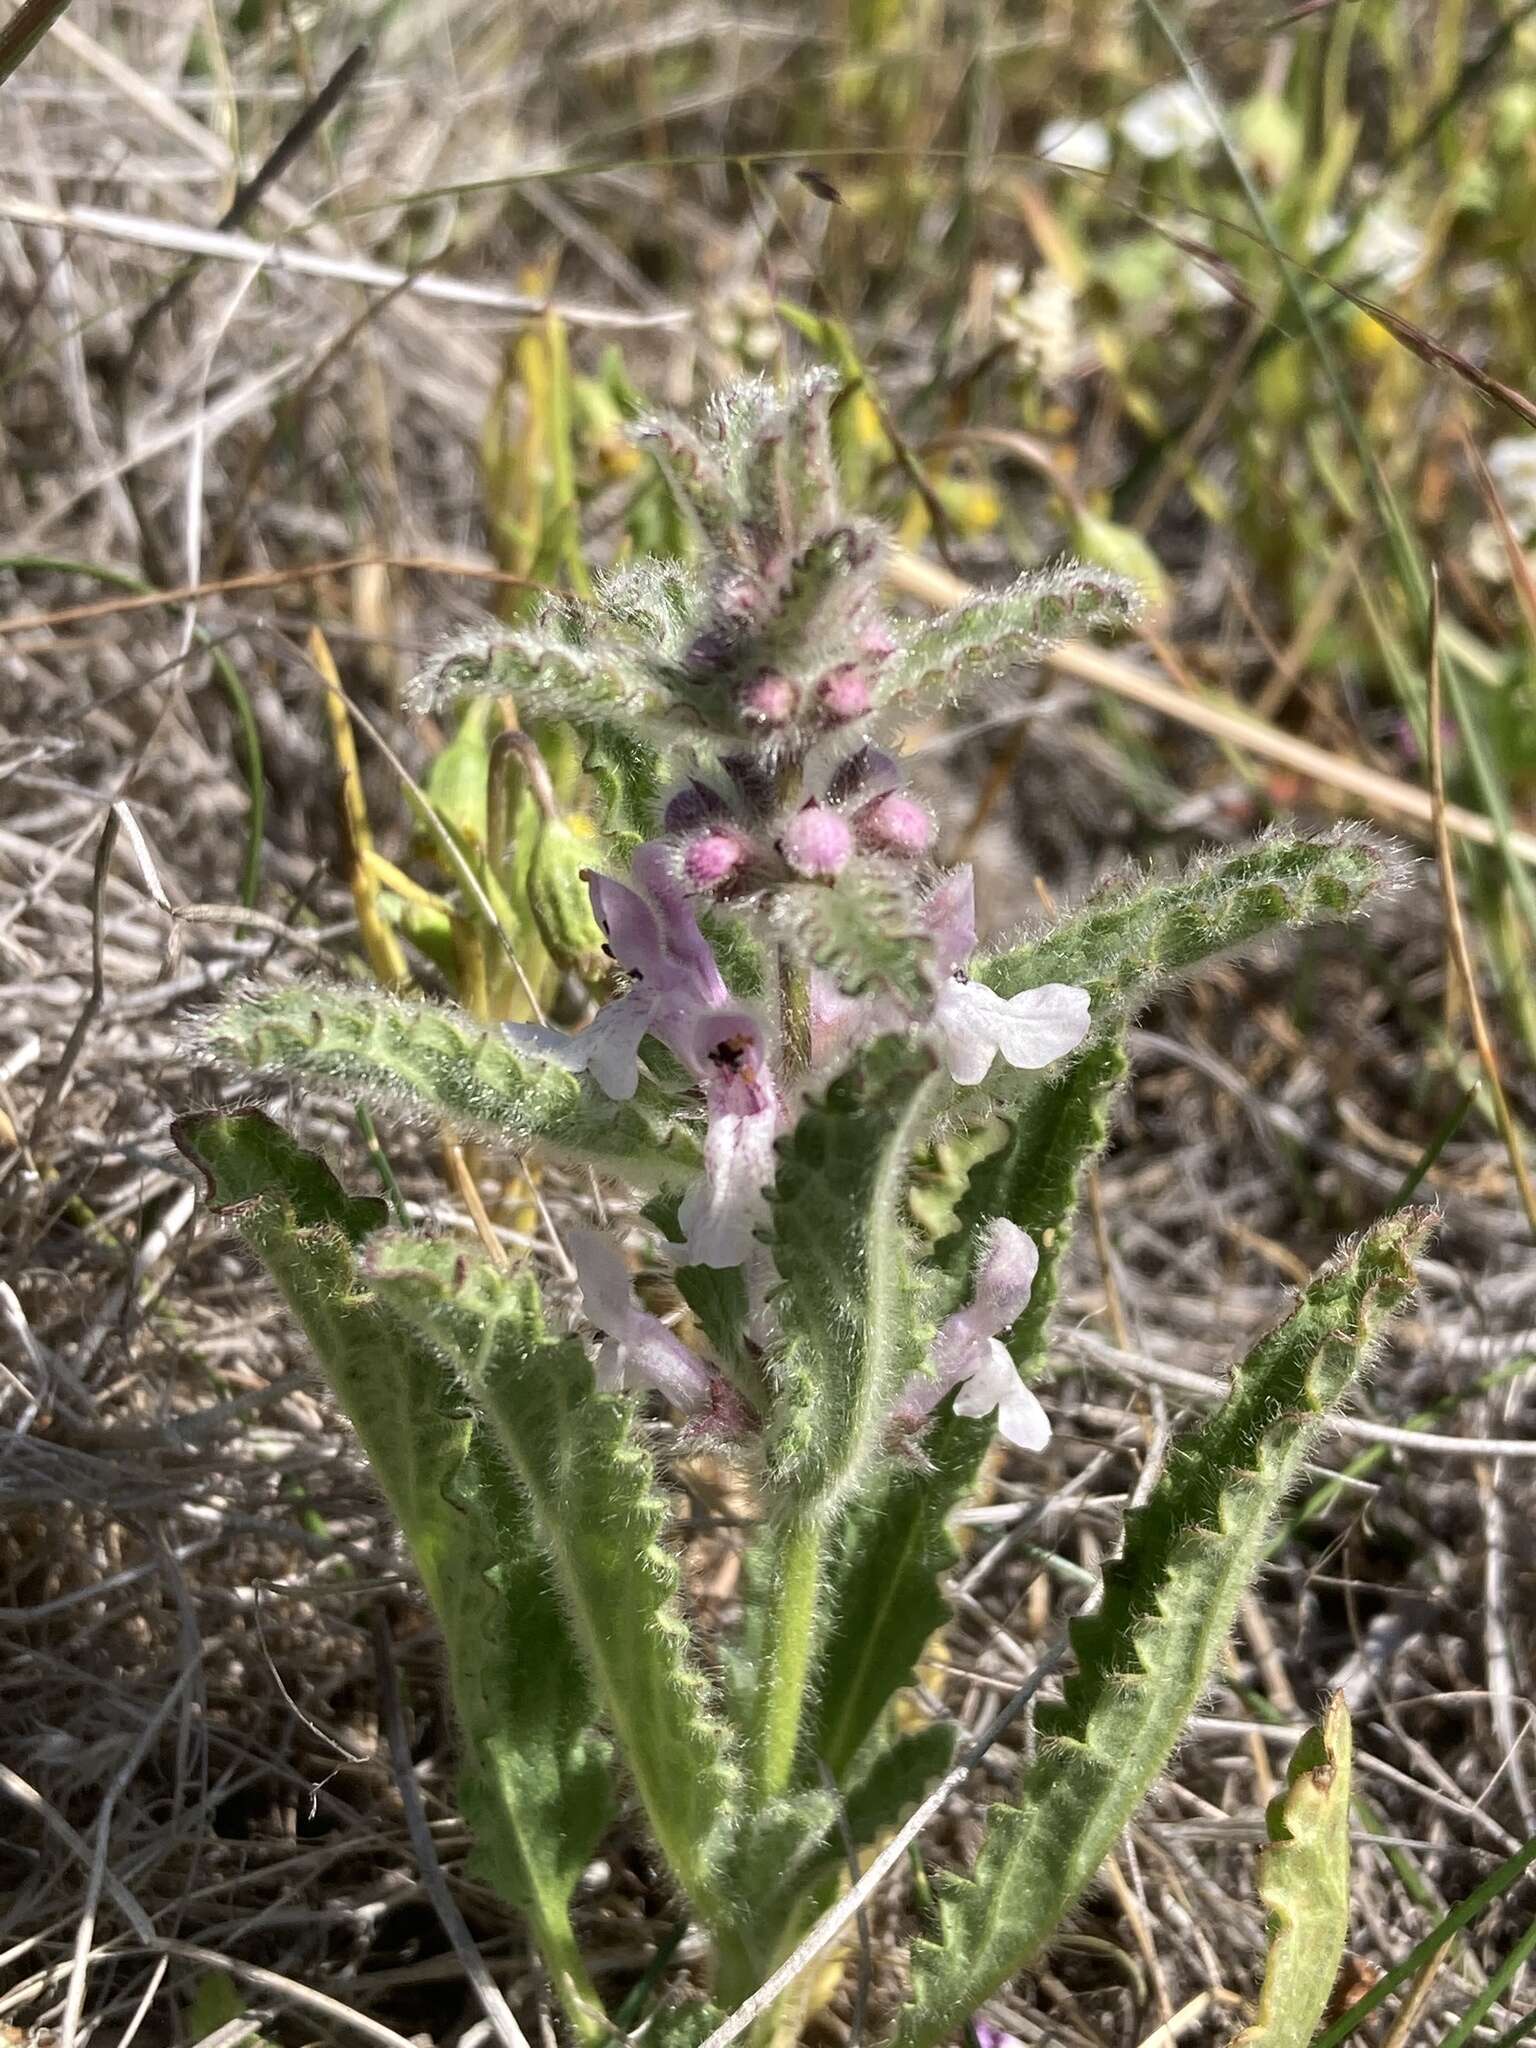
column 968, row 1355
column 1512, row 465
column 1385, row 248
column 1038, row 322
column 638, row 1350
column 1170, row 120
column 742, row 323
column 1078, row 145
column 1487, row 554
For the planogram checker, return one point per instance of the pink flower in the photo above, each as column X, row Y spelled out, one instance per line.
column 721, row 1212
column 967, row 1352
column 844, row 694
column 712, row 858
column 772, row 700
column 678, row 995
column 675, row 980
column 638, row 1350
column 894, row 823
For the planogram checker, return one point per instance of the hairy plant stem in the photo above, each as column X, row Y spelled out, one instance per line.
column 788, row 1641
column 794, row 1015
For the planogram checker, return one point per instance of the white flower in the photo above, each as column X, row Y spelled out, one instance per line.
column 638, row 1349
column 1079, row 145
column 1040, row 324
column 1170, row 120
column 1512, row 465
column 974, row 1022
column 968, row 1355
column 1383, row 247
column 1386, row 248
column 1030, row 1029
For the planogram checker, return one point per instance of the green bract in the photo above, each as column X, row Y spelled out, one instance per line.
column 863, row 1142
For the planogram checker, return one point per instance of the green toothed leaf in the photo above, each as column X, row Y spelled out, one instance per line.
column 536, row 1780
column 1132, row 940
column 1003, row 630
column 893, row 1776
column 850, row 1304
column 626, row 772
column 882, row 1590
column 1304, row 1882
column 1145, row 1657
column 581, row 1463
column 427, row 1058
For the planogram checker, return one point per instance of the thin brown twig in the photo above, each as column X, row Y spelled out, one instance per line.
column 265, row 579
column 1387, row 795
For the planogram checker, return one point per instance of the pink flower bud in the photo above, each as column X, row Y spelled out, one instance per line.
column 772, row 700
column 843, row 694
column 894, row 823
column 816, row 842
column 875, row 642
column 713, row 858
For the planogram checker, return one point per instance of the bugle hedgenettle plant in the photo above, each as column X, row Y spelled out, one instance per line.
column 799, row 1010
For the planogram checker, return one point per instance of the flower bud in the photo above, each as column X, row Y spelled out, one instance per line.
column 753, row 782
column 875, row 642
column 894, row 823
column 714, row 648
column 843, row 694
column 693, row 805
column 868, row 770
column 816, row 842
column 772, row 700
column 710, row 860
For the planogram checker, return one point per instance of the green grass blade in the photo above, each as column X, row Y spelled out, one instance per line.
column 1406, row 558
column 1493, row 1886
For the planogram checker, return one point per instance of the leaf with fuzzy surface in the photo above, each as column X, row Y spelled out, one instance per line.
column 850, row 1303
column 1002, row 630
column 1304, row 1883
column 893, row 1543
column 582, row 1466
column 863, row 929
column 428, row 1058
column 882, row 1588
column 549, row 678
column 626, row 773
column 536, row 1779
column 795, row 1847
column 1145, row 1657
column 1132, row 940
